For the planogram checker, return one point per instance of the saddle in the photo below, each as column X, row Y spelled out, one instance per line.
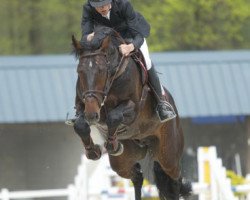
column 137, row 56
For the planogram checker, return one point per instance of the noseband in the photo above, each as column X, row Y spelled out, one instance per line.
column 94, row 93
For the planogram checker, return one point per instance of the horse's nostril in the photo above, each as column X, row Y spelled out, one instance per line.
column 94, row 116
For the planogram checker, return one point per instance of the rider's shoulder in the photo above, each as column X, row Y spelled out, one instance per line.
column 87, row 5
column 122, row 3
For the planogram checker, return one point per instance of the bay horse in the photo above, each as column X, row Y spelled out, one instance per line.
column 112, row 97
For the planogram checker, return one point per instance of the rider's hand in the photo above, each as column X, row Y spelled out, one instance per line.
column 125, row 49
column 90, row 36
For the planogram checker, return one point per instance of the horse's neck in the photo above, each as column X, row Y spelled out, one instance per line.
column 129, row 82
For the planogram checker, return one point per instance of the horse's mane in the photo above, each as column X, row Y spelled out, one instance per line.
column 101, row 32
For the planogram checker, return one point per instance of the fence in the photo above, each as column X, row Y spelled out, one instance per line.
column 213, row 183
column 213, row 174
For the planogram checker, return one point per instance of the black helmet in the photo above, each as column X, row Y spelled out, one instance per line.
column 99, row 3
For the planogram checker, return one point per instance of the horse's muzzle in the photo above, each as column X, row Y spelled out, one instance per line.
column 92, row 110
column 92, row 117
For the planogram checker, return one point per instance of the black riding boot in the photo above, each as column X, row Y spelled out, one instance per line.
column 164, row 109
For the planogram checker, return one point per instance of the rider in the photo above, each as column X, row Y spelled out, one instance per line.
column 120, row 15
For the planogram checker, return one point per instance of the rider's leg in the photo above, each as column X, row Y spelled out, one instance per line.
column 164, row 108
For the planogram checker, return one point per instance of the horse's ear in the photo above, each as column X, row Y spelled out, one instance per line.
column 105, row 43
column 76, row 43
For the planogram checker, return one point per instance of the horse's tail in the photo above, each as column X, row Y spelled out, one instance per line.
column 186, row 188
column 168, row 187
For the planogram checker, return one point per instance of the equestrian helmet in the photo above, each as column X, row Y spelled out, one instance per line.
column 99, row 3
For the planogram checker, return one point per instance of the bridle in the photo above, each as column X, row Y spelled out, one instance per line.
column 109, row 81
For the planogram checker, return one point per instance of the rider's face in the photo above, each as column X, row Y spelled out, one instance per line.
column 103, row 10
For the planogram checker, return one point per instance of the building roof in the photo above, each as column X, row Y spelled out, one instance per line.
column 208, row 83
column 42, row 88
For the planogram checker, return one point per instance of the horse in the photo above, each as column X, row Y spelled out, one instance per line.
column 112, row 96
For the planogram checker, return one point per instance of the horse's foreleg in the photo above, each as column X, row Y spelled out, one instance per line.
column 123, row 113
column 82, row 128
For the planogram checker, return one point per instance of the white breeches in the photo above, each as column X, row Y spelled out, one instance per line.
column 145, row 52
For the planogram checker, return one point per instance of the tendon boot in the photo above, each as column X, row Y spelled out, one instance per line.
column 164, row 109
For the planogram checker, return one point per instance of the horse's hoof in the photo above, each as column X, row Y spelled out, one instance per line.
column 94, row 153
column 118, row 151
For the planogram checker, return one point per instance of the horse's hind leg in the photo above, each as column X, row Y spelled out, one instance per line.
column 167, row 168
column 82, row 128
column 137, row 180
column 168, row 188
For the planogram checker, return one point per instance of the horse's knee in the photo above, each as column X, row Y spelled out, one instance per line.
column 81, row 127
column 124, row 113
column 129, row 113
column 114, row 119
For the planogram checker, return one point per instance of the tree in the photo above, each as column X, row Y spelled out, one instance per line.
column 42, row 27
column 197, row 24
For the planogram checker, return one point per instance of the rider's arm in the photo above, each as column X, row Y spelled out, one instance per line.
column 87, row 23
column 130, row 16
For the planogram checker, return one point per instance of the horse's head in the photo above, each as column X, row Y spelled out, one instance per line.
column 98, row 60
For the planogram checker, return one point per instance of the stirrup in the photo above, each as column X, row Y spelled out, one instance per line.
column 70, row 122
column 167, row 119
column 169, row 111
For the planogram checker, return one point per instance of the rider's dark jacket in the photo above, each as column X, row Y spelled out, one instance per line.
column 123, row 18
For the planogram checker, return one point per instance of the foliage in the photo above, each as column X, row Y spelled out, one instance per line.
column 236, row 180
column 38, row 27
column 198, row 24
column 42, row 27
